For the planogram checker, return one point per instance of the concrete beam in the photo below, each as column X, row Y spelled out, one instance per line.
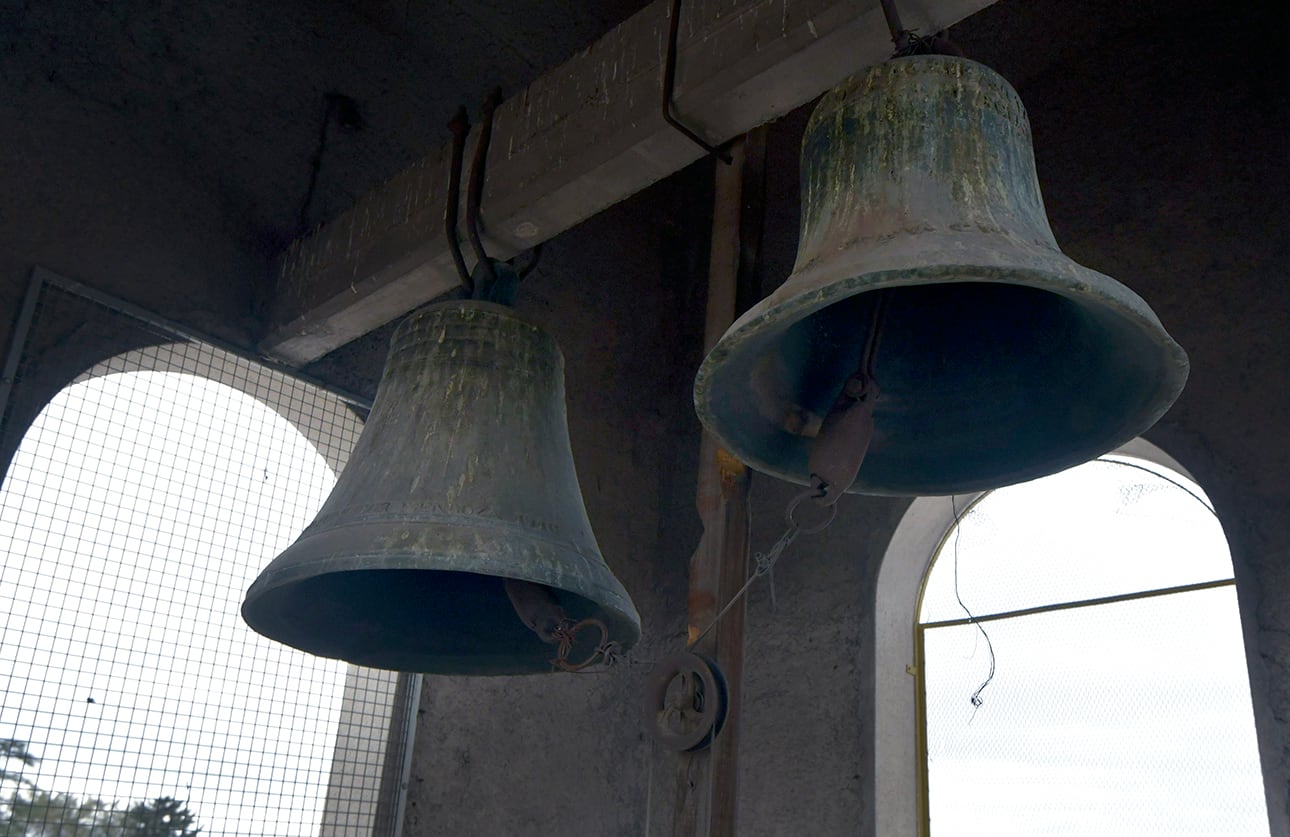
column 581, row 138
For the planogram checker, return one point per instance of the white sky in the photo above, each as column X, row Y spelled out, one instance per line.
column 1116, row 720
column 136, row 513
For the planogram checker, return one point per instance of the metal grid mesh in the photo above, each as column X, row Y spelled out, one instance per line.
column 1125, row 719
column 1116, row 718
column 137, row 510
column 1104, row 528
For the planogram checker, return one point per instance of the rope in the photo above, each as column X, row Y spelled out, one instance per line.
column 764, row 564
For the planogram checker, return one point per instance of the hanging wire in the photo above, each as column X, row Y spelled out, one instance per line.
column 976, row 698
column 958, row 531
column 342, row 110
column 1175, row 483
column 765, row 562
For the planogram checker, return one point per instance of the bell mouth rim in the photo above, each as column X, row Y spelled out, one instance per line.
column 260, row 613
column 769, row 318
column 1076, row 282
column 291, row 570
column 603, row 593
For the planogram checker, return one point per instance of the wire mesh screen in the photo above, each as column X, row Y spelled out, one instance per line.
column 1107, row 527
column 137, row 509
column 1105, row 690
column 1127, row 719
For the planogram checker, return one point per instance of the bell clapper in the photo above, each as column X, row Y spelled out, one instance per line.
column 843, row 441
column 836, row 456
column 691, row 721
column 537, row 608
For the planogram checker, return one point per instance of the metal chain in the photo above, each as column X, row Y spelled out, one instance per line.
column 607, row 651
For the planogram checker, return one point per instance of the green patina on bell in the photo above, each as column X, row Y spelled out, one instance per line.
column 462, row 482
column 1000, row 359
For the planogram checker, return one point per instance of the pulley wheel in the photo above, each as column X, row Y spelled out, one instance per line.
column 686, row 702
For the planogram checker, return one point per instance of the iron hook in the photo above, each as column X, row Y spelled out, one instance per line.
column 476, row 191
column 460, row 126
column 669, row 82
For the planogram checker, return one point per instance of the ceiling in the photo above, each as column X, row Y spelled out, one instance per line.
column 147, row 139
column 233, row 95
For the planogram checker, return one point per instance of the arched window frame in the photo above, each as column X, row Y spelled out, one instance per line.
column 368, row 702
column 361, row 735
column 900, row 795
column 264, row 384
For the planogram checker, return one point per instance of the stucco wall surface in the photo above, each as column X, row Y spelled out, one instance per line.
column 1161, row 149
column 1167, row 169
column 1161, row 133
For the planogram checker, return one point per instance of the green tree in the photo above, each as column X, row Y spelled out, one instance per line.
column 162, row 817
column 45, row 814
column 32, row 812
column 11, row 749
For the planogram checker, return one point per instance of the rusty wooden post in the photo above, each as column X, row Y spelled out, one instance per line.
column 707, row 780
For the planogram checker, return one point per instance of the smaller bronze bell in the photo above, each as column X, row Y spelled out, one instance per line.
column 461, row 486
column 998, row 359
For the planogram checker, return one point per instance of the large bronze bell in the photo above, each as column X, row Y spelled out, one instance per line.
column 461, row 485
column 996, row 358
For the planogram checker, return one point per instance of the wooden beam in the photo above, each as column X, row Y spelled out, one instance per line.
column 583, row 137
column 708, row 779
column 707, row 788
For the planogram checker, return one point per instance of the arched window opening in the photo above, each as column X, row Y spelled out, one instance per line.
column 139, row 507
column 1080, row 666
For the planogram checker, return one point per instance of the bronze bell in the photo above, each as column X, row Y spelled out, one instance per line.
column 461, row 486
column 996, row 358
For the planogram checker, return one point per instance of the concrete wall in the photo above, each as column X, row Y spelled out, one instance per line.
column 1161, row 146
column 1174, row 181
column 1161, row 151
column 1161, row 135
